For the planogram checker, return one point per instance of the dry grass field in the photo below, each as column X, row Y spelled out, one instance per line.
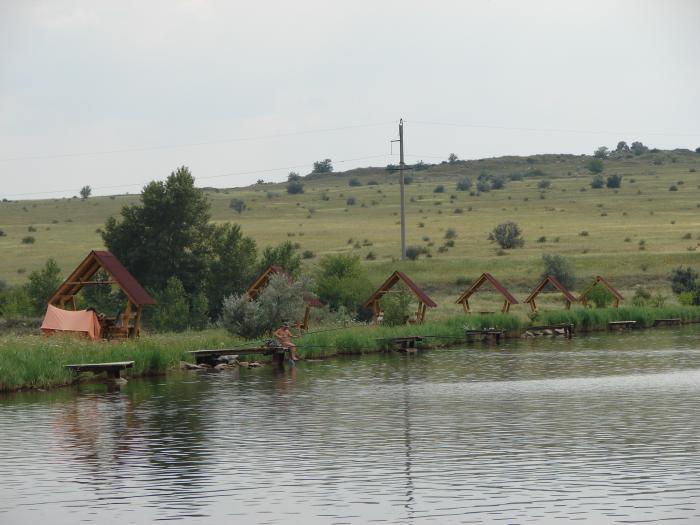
column 633, row 235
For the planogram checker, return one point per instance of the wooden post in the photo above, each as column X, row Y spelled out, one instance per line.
column 305, row 326
column 137, row 322
column 126, row 316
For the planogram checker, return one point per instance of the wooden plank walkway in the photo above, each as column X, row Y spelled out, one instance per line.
column 621, row 325
column 113, row 369
column 565, row 329
column 667, row 322
column 489, row 335
column 211, row 356
column 405, row 344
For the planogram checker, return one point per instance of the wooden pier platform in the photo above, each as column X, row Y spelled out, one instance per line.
column 489, row 335
column 667, row 322
column 621, row 325
column 565, row 329
column 405, row 344
column 211, row 356
column 113, row 369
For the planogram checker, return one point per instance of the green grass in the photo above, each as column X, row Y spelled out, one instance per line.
column 590, row 319
column 640, row 210
column 37, row 361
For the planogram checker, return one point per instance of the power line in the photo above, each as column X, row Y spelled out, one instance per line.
column 550, row 130
column 195, row 144
column 207, row 177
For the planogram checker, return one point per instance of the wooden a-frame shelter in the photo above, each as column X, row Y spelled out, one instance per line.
column 260, row 282
column 423, row 300
column 508, row 298
column 617, row 296
column 550, row 279
column 128, row 323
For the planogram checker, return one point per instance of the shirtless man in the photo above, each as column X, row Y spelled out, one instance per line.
column 284, row 337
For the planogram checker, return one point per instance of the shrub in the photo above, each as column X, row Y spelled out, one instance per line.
column 407, row 179
column 370, row 256
column 341, row 281
column 439, row 189
column 508, row 235
column 323, row 166
column 451, row 233
column 542, row 239
column 31, row 229
column 683, row 279
column 638, row 148
column 42, row 284
column 28, row 240
column 464, row 184
column 595, row 165
column 397, row 307
column 483, row 186
column 544, row 184
column 599, row 296
column 281, row 300
column 584, row 233
column 354, row 182
column 642, row 297
column 450, row 243
column 597, row 182
column 172, row 311
column 237, row 204
column 558, row 267
column 614, row 181
column 601, row 153
column 673, row 187
column 308, row 254
column 413, row 252
column 295, row 187
column 498, row 182
column 293, row 176
column 2, row 233
column 351, row 201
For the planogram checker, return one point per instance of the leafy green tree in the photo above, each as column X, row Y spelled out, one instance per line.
column 599, row 296
column 622, row 147
column 638, row 148
column 597, row 182
column 558, row 267
column 508, row 235
column 464, row 184
column 165, row 235
column 614, row 181
column 397, row 306
column 238, row 205
column 85, row 192
column 295, row 187
column 323, row 166
column 341, row 281
column 452, row 158
column 595, row 165
column 683, row 279
column 15, row 302
column 172, row 310
column 281, row 255
column 232, row 265
column 293, row 176
column 102, row 297
column 601, row 153
column 42, row 284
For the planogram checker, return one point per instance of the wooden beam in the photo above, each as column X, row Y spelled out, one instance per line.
column 91, row 282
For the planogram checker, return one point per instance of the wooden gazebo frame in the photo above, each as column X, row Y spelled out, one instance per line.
column 617, row 296
column 550, row 279
column 508, row 298
column 260, row 282
column 128, row 324
column 423, row 300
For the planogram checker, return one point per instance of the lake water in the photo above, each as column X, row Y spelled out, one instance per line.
column 599, row 429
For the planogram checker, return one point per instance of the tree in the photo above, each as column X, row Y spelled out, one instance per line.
column 613, row 181
column 232, row 265
column 595, row 165
column 171, row 311
column 295, row 187
column 42, row 284
column 558, row 267
column 323, row 166
column 341, row 281
column 293, row 175
column 85, row 192
column 281, row 255
column 508, row 235
column 238, row 205
column 601, row 153
column 464, row 184
column 452, row 158
column 697, row 150
column 638, row 148
column 281, row 300
column 597, row 182
column 498, row 182
column 683, row 279
column 354, row 182
column 167, row 234
column 622, row 147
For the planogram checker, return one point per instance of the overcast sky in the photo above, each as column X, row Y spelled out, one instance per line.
column 115, row 94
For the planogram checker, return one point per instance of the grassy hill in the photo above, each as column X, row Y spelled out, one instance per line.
column 633, row 235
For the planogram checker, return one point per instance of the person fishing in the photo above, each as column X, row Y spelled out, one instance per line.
column 284, row 338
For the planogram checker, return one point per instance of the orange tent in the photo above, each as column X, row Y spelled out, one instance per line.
column 58, row 320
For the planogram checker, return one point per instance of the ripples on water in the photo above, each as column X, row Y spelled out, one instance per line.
column 598, row 429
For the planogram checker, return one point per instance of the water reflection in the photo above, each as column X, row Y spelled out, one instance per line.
column 600, row 429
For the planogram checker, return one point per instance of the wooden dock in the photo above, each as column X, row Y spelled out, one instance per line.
column 489, row 335
column 211, row 356
column 553, row 330
column 113, row 369
column 667, row 322
column 405, row 344
column 621, row 325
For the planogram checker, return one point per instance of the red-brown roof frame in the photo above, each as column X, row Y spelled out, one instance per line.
column 95, row 261
column 261, row 282
column 599, row 279
column 550, row 279
column 391, row 281
column 487, row 277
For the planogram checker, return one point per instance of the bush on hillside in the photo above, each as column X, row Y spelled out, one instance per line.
column 354, row 182
column 508, row 235
column 683, row 279
column 597, row 182
column 341, row 282
column 464, row 184
column 397, row 307
column 595, row 165
column 559, row 267
column 599, row 296
column 613, row 181
column 295, row 187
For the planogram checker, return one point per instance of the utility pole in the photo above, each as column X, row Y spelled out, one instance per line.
column 402, row 167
